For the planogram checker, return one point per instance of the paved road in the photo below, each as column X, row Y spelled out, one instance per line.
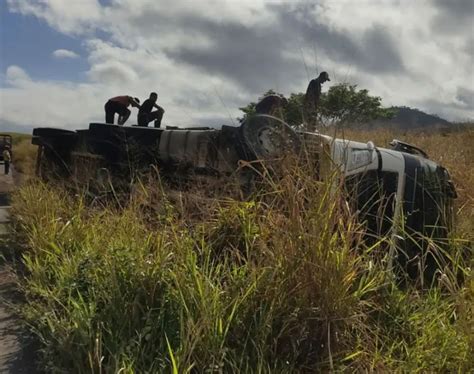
column 15, row 354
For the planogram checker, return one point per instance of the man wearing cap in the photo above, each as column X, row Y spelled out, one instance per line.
column 311, row 99
column 119, row 105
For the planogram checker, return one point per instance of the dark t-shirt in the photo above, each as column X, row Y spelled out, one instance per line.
column 146, row 107
column 313, row 91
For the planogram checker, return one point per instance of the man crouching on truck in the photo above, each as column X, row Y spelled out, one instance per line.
column 145, row 115
column 119, row 105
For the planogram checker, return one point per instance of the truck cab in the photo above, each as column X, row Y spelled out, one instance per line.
column 399, row 194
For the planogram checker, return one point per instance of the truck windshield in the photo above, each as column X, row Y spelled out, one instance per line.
column 431, row 213
column 372, row 195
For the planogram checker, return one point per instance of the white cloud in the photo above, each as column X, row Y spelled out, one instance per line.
column 73, row 17
column 74, row 105
column 16, row 76
column 59, row 104
column 65, row 53
column 112, row 72
column 208, row 57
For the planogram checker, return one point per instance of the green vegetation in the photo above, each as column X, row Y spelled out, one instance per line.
column 342, row 104
column 156, row 281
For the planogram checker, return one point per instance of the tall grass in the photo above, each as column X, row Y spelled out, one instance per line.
column 24, row 155
column 279, row 282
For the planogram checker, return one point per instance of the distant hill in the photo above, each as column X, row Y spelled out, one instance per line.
column 410, row 118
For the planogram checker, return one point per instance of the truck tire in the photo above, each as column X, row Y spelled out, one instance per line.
column 267, row 136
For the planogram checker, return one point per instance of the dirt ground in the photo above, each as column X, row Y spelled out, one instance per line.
column 16, row 351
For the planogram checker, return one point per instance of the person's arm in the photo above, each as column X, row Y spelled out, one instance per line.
column 158, row 107
column 133, row 102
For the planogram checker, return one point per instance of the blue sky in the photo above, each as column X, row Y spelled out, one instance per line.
column 206, row 61
column 28, row 42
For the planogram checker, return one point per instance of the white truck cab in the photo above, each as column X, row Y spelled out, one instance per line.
column 398, row 193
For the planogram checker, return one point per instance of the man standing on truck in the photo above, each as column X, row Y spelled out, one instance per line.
column 311, row 99
column 119, row 105
column 7, row 158
column 145, row 115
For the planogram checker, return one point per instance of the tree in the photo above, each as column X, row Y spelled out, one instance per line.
column 293, row 112
column 343, row 104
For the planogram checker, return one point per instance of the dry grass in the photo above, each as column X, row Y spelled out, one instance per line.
column 24, row 157
column 24, row 154
column 282, row 282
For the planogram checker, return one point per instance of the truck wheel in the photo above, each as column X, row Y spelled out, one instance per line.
column 268, row 136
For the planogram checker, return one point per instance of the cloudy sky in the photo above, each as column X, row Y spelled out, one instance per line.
column 61, row 60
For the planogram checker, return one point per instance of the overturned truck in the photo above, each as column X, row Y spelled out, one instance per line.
column 398, row 192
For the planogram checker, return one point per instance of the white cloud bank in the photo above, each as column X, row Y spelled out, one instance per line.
column 64, row 53
column 207, row 58
column 16, row 76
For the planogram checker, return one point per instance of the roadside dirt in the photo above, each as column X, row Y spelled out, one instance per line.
column 16, row 351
